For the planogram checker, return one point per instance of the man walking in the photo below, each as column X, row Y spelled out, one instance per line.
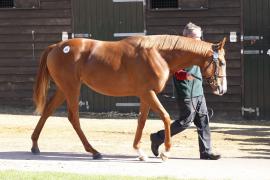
column 192, row 105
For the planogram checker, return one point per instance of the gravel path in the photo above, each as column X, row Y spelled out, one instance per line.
column 226, row 168
column 245, row 148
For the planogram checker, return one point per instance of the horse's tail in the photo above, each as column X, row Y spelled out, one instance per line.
column 42, row 81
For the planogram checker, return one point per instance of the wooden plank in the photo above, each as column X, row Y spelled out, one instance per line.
column 16, row 102
column 15, row 62
column 16, row 94
column 225, row 98
column 59, row 4
column 18, row 78
column 17, row 70
column 27, row 54
column 215, row 12
column 10, row 53
column 214, row 29
column 233, row 55
column 15, row 38
column 35, row 22
column 39, row 39
column 43, row 29
column 233, row 64
column 197, row 20
column 177, row 29
column 225, row 106
column 232, row 113
column 38, row 46
column 9, row 86
column 224, row 4
column 38, row 13
column 234, row 72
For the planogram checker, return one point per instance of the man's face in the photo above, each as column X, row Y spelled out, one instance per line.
column 196, row 34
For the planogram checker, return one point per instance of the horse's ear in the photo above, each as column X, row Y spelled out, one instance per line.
column 222, row 43
column 219, row 45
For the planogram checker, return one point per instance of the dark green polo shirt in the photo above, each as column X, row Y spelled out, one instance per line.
column 183, row 87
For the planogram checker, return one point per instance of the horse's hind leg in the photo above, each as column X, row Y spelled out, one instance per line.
column 144, row 110
column 73, row 116
column 56, row 100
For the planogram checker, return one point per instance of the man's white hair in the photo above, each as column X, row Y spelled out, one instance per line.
column 192, row 30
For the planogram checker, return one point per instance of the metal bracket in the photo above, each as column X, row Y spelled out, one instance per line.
column 257, row 111
column 81, row 35
column 249, row 38
column 129, row 34
column 84, row 103
column 33, row 44
column 119, row 1
column 256, row 51
column 131, row 104
column 251, row 110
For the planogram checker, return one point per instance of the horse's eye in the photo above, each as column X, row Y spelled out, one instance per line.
column 221, row 63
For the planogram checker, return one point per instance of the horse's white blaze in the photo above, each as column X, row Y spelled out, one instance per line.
column 224, row 81
column 224, row 85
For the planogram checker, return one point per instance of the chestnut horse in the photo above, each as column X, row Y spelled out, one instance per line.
column 136, row 66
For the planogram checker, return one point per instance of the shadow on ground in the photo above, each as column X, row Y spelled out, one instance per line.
column 60, row 156
column 255, row 137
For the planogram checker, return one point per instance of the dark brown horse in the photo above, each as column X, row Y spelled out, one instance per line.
column 136, row 66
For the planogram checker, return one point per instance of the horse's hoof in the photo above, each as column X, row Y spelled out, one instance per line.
column 35, row 150
column 97, row 156
column 142, row 155
column 143, row 158
column 164, row 156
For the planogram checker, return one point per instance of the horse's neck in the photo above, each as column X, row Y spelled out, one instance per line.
column 182, row 59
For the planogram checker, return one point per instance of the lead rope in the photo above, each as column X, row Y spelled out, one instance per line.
column 195, row 109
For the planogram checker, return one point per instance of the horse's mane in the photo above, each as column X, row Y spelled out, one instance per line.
column 173, row 42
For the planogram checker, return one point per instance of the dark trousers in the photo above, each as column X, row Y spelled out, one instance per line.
column 187, row 116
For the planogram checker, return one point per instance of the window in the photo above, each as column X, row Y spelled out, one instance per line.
column 193, row 4
column 27, row 4
column 178, row 4
column 164, row 4
column 24, row 4
column 6, row 3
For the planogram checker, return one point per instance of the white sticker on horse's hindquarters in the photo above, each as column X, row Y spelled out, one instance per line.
column 66, row 49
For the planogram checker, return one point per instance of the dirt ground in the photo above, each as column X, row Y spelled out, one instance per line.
column 244, row 145
column 232, row 139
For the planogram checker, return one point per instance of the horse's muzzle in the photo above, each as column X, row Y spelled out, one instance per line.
column 220, row 91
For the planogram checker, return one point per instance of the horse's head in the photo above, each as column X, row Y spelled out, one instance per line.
column 214, row 69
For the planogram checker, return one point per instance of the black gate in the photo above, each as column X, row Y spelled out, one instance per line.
column 107, row 20
column 256, row 40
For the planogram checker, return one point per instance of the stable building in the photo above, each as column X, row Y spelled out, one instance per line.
column 27, row 27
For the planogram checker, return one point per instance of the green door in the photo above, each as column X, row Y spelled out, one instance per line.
column 256, row 40
column 107, row 20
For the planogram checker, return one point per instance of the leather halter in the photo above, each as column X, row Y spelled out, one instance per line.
column 212, row 80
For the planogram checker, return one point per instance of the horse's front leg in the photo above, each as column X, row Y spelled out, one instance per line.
column 144, row 110
column 156, row 106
